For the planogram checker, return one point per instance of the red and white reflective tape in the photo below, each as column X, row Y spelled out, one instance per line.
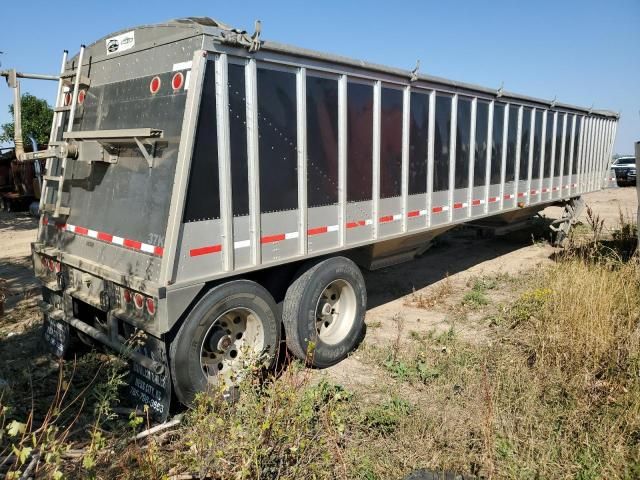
column 459, row 205
column 359, row 223
column 574, row 185
column 534, row 192
column 109, row 238
column 476, row 202
column 555, row 189
column 416, row 213
column 509, row 196
column 320, row 230
column 279, row 237
column 545, row 190
column 390, row 218
column 493, row 199
column 522, row 194
column 440, row 209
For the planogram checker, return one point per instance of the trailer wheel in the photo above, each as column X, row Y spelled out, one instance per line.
column 233, row 327
column 323, row 312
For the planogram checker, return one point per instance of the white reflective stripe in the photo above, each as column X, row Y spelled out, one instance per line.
column 70, row 228
column 92, row 234
column 290, row 235
column 145, row 247
column 368, row 221
column 332, row 228
column 397, row 216
column 117, row 240
column 445, row 208
column 182, row 65
column 242, row 244
column 186, row 80
column 422, row 212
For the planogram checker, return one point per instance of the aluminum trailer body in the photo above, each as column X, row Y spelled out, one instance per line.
column 188, row 155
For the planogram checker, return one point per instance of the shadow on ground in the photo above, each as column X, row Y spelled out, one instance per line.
column 455, row 251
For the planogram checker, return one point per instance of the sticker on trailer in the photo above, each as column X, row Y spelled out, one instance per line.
column 121, row 43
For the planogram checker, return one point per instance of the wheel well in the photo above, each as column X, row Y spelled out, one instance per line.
column 275, row 280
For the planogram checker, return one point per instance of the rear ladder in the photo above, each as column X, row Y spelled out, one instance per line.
column 57, row 181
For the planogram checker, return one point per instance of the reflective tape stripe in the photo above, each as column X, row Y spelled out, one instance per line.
column 196, row 252
column 109, row 238
column 242, row 244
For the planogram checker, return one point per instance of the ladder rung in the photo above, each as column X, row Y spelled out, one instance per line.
column 53, row 178
column 62, row 109
column 70, row 80
column 51, row 208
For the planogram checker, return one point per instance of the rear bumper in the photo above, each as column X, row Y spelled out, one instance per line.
column 149, row 381
column 110, row 341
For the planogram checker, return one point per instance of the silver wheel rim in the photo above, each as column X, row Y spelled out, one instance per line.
column 336, row 312
column 232, row 342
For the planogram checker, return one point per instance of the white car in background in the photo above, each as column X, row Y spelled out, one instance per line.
column 624, row 169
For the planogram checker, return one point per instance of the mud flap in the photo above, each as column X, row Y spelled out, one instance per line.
column 56, row 335
column 147, row 387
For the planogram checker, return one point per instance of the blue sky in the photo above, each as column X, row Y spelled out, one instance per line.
column 582, row 52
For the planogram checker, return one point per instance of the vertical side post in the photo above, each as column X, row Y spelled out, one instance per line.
column 532, row 130
column 377, row 100
column 543, row 150
column 301, row 105
column 224, row 162
column 487, row 175
column 503, row 169
column 251, row 81
column 565, row 120
column 516, row 176
column 553, row 152
column 452, row 153
column 342, row 158
column 406, row 106
column 430, row 154
column 571, row 148
column 472, row 154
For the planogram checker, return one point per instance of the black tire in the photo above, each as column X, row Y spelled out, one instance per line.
column 186, row 348
column 300, row 312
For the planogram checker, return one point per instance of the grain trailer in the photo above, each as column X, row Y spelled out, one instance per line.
column 211, row 189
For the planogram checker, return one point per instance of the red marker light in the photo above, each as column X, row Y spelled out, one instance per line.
column 81, row 96
column 57, row 267
column 177, row 81
column 127, row 296
column 138, row 301
column 151, row 306
column 67, row 99
column 155, row 84
column 50, row 265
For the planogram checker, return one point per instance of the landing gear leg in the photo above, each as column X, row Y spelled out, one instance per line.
column 562, row 226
